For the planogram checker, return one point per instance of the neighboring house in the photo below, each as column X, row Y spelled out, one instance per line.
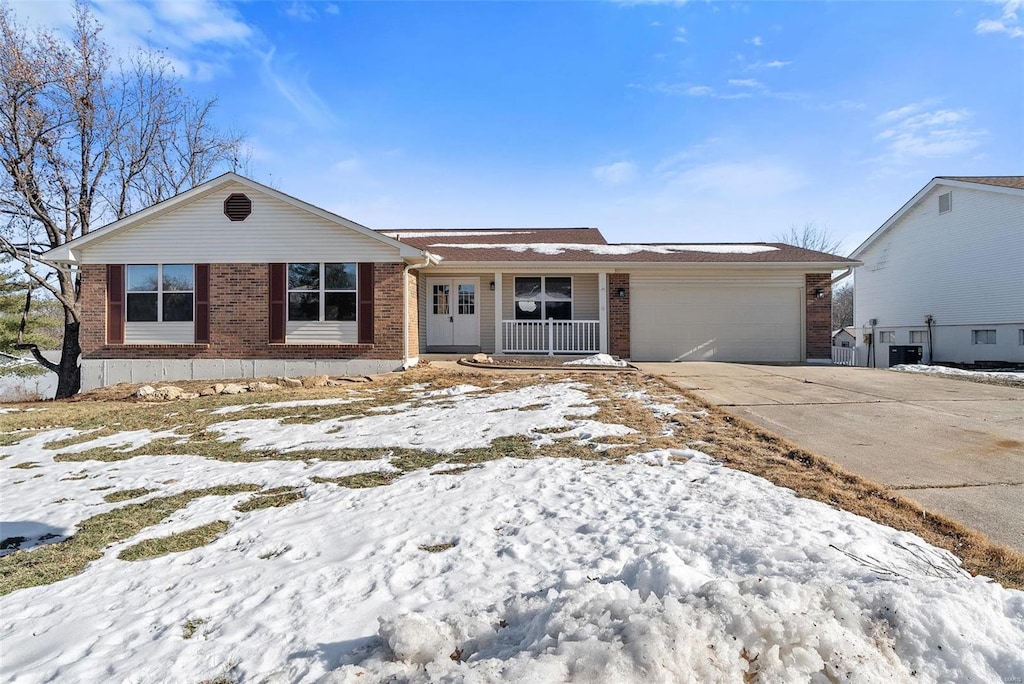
column 235, row 279
column 844, row 337
column 946, row 274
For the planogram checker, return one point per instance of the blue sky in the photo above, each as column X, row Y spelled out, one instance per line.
column 655, row 122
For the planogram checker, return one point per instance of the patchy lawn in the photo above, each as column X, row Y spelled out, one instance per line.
column 497, row 526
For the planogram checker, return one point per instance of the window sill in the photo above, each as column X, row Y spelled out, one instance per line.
column 332, row 345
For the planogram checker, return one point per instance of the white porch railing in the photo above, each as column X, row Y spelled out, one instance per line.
column 843, row 356
column 550, row 337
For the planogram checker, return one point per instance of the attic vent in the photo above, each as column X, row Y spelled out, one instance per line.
column 945, row 202
column 237, row 207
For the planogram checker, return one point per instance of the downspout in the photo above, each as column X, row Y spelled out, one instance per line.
column 428, row 258
column 839, row 277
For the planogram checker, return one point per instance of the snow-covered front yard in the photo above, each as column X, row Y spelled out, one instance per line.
column 626, row 560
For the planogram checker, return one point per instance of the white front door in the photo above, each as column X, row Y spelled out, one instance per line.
column 453, row 312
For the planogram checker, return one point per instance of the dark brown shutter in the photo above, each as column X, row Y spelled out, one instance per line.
column 202, row 323
column 278, row 302
column 115, row 303
column 365, row 296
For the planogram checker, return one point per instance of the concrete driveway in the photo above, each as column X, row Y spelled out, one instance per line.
column 955, row 447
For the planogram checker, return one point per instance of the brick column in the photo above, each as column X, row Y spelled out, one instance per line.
column 618, row 315
column 818, row 316
column 93, row 301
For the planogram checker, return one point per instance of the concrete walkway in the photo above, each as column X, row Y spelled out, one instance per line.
column 955, row 447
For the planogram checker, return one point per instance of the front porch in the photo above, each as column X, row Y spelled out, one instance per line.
column 523, row 312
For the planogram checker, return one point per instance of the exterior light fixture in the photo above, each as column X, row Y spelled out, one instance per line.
column 819, row 293
column 621, row 292
column 492, row 285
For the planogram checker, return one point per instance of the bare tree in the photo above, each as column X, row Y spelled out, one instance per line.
column 810, row 236
column 84, row 141
column 842, row 307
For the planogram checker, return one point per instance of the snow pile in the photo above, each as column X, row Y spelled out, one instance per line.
column 554, row 248
column 658, row 408
column 598, row 360
column 945, row 370
column 562, row 570
column 445, row 421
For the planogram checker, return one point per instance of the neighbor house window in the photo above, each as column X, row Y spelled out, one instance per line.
column 322, row 292
column 983, row 336
column 543, row 297
column 886, row 336
column 945, row 202
column 918, row 336
column 160, row 293
column 1020, row 337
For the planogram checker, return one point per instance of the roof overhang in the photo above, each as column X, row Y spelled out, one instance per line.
column 633, row 266
column 68, row 252
column 934, row 183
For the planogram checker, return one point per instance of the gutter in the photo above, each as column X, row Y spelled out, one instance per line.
column 839, row 277
column 428, row 259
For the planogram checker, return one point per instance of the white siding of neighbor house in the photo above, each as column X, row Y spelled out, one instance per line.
column 199, row 232
column 964, row 267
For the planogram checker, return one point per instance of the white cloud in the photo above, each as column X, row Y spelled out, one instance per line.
column 348, row 165
column 746, row 83
column 774, row 64
column 918, row 131
column 680, row 36
column 198, row 37
column 294, row 87
column 1008, row 22
column 300, row 11
column 616, row 173
column 739, row 180
column 755, row 41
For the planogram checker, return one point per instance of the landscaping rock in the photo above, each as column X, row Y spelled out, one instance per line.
column 263, row 387
column 233, row 388
column 167, row 392
column 218, row 388
column 315, row 381
column 188, row 395
column 289, row 382
column 208, row 392
column 482, row 358
column 145, row 391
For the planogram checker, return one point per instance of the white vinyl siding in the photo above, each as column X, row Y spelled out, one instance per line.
column 755, row 318
column 159, row 333
column 484, row 304
column 322, row 332
column 963, row 268
column 199, row 232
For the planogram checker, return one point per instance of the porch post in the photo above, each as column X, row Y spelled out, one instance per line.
column 602, row 311
column 499, row 343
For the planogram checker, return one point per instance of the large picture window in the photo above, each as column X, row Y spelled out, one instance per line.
column 539, row 298
column 322, row 292
column 160, row 293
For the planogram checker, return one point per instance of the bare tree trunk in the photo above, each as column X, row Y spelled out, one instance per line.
column 69, row 374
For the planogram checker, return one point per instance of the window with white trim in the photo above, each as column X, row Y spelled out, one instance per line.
column 886, row 336
column 1020, row 337
column 322, row 291
column 159, row 293
column 918, row 336
column 983, row 336
column 539, row 298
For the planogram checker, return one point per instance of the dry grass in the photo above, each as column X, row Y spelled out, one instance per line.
column 27, row 465
column 437, row 548
column 191, row 626
column 54, row 562
column 744, row 446
column 174, row 543
column 124, row 494
column 271, row 498
column 376, row 478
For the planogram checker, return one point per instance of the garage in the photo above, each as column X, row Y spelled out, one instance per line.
column 674, row 318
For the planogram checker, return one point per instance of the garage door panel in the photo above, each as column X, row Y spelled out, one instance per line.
column 680, row 321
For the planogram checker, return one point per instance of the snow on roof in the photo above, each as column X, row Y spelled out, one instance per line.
column 405, row 235
column 554, row 248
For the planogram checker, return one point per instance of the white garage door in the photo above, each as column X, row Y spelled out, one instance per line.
column 672, row 319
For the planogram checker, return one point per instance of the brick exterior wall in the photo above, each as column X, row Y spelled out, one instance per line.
column 239, row 320
column 618, row 315
column 819, row 316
